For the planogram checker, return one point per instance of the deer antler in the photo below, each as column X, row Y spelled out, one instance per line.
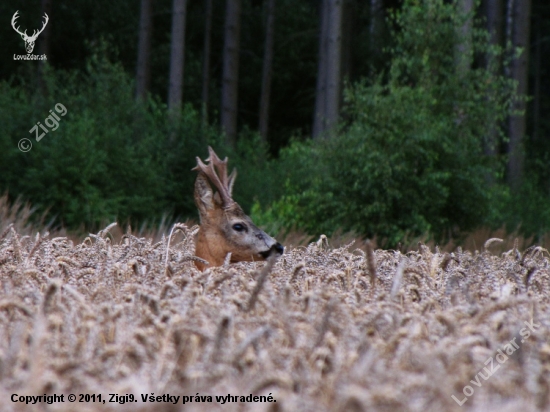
column 46, row 20
column 220, row 180
column 35, row 32
column 13, row 19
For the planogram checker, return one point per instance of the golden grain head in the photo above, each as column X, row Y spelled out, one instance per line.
column 310, row 328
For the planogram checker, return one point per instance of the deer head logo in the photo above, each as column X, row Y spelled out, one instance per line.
column 29, row 40
column 224, row 227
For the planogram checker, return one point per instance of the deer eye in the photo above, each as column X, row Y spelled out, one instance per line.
column 239, row 227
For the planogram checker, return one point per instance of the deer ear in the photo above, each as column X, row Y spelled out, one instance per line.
column 203, row 194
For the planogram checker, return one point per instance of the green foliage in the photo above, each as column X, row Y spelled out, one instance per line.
column 110, row 158
column 525, row 211
column 411, row 159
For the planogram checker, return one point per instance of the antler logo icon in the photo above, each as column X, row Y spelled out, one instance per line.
column 29, row 40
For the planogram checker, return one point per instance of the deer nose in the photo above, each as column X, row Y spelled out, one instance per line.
column 278, row 248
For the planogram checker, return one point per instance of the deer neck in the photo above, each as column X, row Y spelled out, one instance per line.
column 208, row 247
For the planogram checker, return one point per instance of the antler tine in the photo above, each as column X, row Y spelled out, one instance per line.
column 210, row 172
column 46, row 20
column 13, row 22
column 220, row 165
column 231, row 181
column 35, row 32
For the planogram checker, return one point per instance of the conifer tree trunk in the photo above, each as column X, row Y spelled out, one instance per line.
column 177, row 54
column 334, row 64
column 266, row 71
column 376, row 24
column 44, row 44
column 206, row 60
column 494, row 14
column 349, row 18
column 230, row 81
column 45, row 36
column 520, row 32
column 464, row 58
column 319, row 115
column 144, row 50
column 329, row 74
column 537, row 76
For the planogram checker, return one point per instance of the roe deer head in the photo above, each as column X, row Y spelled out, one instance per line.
column 224, row 227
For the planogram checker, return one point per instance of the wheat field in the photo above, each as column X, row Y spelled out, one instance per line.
column 320, row 329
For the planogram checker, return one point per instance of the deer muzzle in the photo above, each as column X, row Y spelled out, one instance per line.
column 277, row 248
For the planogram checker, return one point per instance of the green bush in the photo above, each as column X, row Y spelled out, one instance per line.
column 110, row 158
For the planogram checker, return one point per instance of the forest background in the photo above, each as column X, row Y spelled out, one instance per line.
column 386, row 118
